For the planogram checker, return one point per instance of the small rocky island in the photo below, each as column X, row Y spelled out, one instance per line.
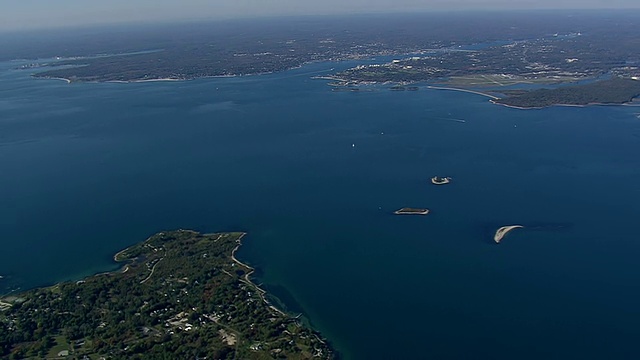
column 440, row 180
column 501, row 232
column 181, row 295
column 411, row 211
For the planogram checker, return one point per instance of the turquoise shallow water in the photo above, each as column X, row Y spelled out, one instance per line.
column 313, row 176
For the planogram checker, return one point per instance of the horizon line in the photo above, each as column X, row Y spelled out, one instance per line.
column 192, row 20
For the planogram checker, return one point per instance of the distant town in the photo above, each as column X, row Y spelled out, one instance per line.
column 502, row 56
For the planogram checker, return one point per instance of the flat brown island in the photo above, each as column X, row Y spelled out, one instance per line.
column 500, row 233
column 411, row 211
column 436, row 180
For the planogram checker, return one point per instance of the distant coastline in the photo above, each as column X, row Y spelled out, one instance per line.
column 143, row 81
column 135, row 81
column 614, row 91
column 629, row 103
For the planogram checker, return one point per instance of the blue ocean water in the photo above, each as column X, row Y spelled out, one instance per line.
column 313, row 176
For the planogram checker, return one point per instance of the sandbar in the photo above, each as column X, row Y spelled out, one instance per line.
column 464, row 90
column 411, row 211
column 68, row 81
column 500, row 233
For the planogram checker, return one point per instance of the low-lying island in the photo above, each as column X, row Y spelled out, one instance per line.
column 411, row 211
column 502, row 232
column 440, row 180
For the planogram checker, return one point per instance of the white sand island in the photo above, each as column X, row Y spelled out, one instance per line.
column 500, row 233
column 411, row 211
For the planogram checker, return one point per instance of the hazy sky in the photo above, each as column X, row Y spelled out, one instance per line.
column 25, row 14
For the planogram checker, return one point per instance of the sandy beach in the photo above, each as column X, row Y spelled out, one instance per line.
column 116, row 257
column 500, row 233
column 463, row 90
column 142, row 81
column 57, row 78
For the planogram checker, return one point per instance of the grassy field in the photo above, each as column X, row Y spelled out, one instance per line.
column 61, row 345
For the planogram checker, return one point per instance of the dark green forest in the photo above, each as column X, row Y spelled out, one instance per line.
column 613, row 91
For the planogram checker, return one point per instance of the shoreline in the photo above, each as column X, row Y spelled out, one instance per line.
column 503, row 231
column 68, row 81
column 115, row 257
column 141, row 81
column 247, row 278
column 136, row 81
column 493, row 97
column 262, row 293
column 630, row 103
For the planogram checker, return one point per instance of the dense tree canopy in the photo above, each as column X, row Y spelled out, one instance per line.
column 182, row 295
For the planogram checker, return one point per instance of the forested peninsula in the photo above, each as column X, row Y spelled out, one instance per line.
column 612, row 91
column 181, row 295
